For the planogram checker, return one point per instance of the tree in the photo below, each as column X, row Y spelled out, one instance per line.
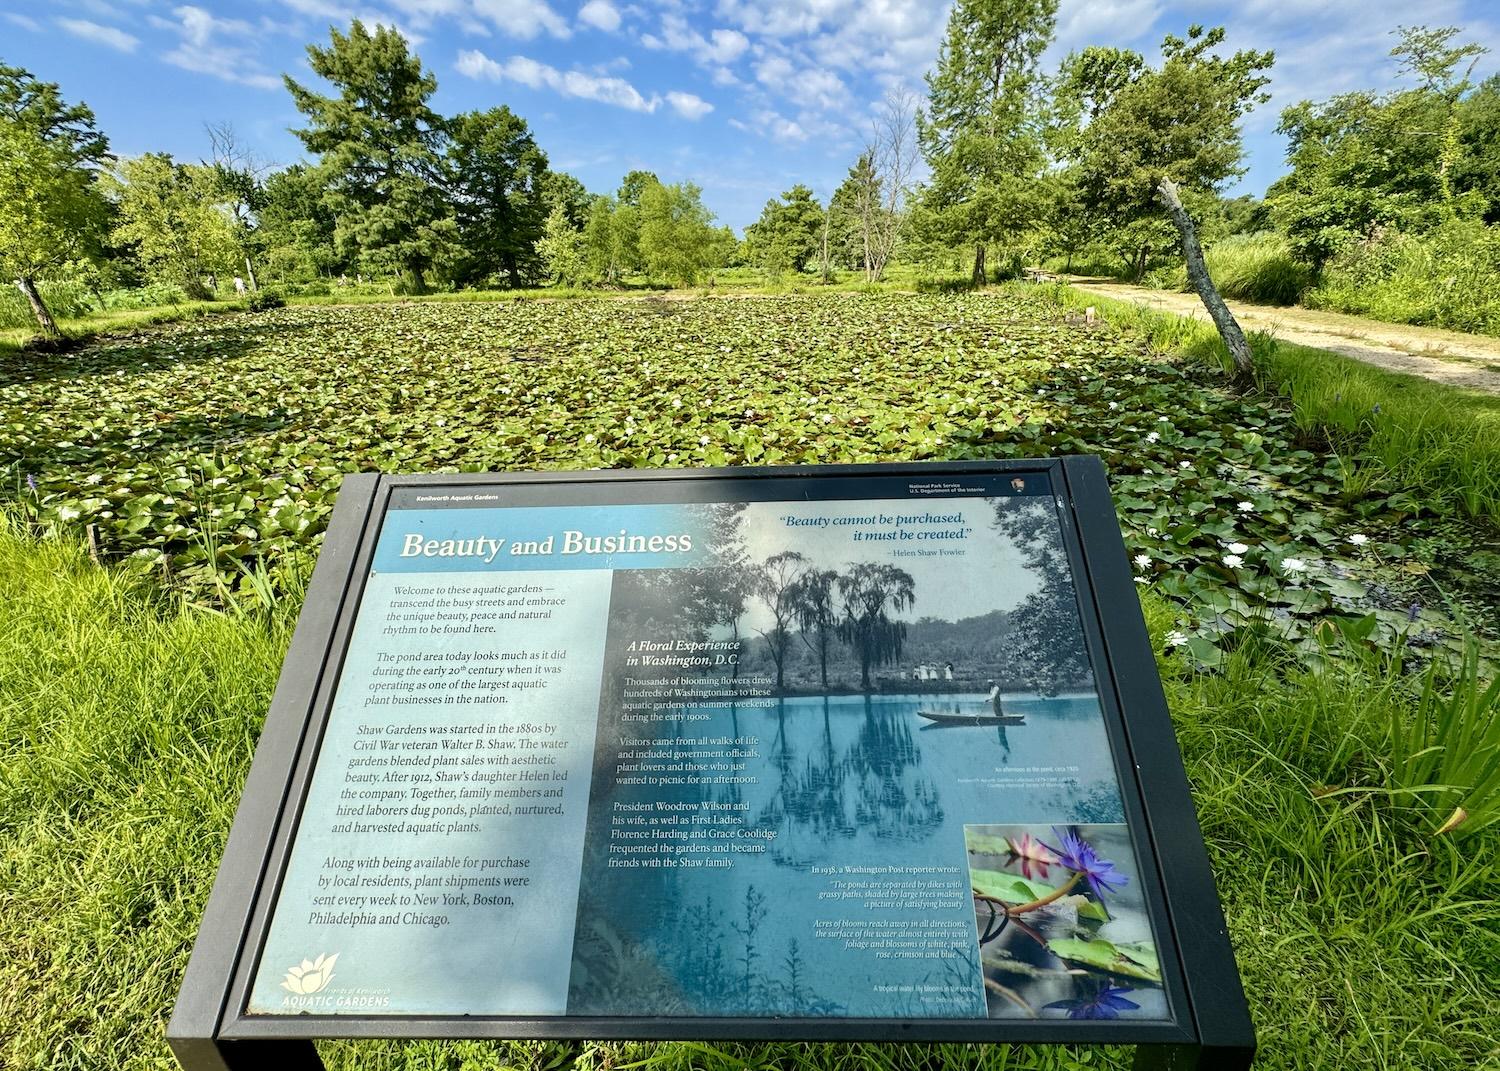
column 789, row 232
column 1050, row 649
column 174, row 216
column 1476, row 173
column 1150, row 132
column 870, row 592
column 627, row 219
column 775, row 584
column 495, row 175
column 1364, row 162
column 812, row 602
column 677, row 238
column 237, row 178
column 296, row 226
column 600, row 240
column 562, row 249
column 979, row 134
column 379, row 144
column 51, row 207
column 882, row 181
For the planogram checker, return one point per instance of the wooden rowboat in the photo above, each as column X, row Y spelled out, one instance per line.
column 973, row 719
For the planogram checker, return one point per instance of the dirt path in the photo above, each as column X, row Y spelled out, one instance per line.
column 1451, row 357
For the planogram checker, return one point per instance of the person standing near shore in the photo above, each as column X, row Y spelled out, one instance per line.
column 994, row 698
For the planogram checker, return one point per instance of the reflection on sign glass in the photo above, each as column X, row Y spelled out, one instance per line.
column 837, row 758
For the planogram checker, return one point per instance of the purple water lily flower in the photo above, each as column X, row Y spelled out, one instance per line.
column 1079, row 856
column 1104, row 1003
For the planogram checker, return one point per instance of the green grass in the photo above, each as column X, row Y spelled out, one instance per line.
column 1449, row 277
column 91, row 325
column 1439, row 440
column 1258, row 268
column 128, row 722
column 128, row 717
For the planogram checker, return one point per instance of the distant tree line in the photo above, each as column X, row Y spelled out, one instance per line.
column 1003, row 164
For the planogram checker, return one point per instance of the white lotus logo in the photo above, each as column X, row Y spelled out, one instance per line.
column 310, row 976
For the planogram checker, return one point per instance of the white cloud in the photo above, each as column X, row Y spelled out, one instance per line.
column 719, row 47
column 601, row 15
column 202, row 47
column 523, row 18
column 689, row 105
column 1100, row 22
column 23, row 21
column 108, row 36
column 774, row 71
column 772, row 124
column 606, row 89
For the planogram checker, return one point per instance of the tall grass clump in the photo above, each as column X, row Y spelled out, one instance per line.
column 127, row 723
column 1449, row 277
column 1258, row 268
column 1445, row 758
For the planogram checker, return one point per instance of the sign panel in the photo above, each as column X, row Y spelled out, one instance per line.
column 780, row 745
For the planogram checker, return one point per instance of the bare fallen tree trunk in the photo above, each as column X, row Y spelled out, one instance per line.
column 1197, row 270
column 38, row 307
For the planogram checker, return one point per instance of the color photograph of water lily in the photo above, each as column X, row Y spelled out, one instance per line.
column 1061, row 924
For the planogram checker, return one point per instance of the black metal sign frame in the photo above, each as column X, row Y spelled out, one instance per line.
column 210, row 1029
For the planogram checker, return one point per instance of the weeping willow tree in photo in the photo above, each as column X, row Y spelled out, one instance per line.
column 870, row 593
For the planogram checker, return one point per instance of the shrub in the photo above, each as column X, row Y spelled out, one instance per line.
column 265, row 299
column 1449, row 277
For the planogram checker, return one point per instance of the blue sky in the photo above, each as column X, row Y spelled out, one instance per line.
column 743, row 97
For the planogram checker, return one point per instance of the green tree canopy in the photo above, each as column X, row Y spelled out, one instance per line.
column 51, row 207
column 378, row 143
column 175, row 217
column 789, row 232
column 677, row 239
column 1126, row 125
column 1406, row 159
column 495, row 180
column 296, row 226
column 981, row 133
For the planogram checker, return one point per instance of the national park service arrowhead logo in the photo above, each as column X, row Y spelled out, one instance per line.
column 310, row 976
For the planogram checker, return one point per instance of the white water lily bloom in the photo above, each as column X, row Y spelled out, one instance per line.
column 749, row 414
column 676, row 403
column 1176, row 638
column 1246, row 507
column 1142, row 560
column 828, row 418
column 1163, row 420
column 1237, row 548
column 1359, row 539
column 1142, row 580
column 588, row 438
column 1114, row 405
column 1152, row 532
column 1294, row 565
column 1153, row 436
column 1184, row 464
column 1234, row 561
column 703, row 440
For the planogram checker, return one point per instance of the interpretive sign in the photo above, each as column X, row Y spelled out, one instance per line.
column 863, row 752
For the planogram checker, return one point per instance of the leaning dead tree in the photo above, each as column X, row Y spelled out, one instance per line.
column 1197, row 271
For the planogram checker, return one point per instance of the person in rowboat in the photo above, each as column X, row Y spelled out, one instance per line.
column 994, row 698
